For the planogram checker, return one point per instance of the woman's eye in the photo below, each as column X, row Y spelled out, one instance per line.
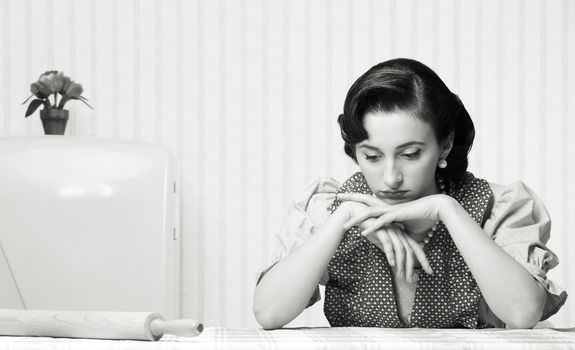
column 411, row 155
column 371, row 158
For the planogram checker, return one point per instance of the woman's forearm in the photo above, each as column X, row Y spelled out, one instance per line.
column 508, row 288
column 285, row 290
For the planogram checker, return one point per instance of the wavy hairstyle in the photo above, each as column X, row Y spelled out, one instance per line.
column 408, row 85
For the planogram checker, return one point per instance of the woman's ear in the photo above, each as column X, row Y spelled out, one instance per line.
column 447, row 145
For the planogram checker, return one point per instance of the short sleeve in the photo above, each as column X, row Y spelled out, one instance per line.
column 308, row 211
column 520, row 224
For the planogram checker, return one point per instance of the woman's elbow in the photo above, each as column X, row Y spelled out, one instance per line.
column 528, row 312
column 525, row 319
column 267, row 318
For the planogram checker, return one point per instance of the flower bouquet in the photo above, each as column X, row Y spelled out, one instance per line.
column 54, row 116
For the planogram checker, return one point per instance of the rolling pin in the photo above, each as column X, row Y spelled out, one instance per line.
column 93, row 325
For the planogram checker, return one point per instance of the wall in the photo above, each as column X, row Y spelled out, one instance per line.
column 246, row 93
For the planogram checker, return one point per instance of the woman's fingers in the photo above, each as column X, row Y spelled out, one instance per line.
column 400, row 249
column 408, row 257
column 386, row 245
column 376, row 224
column 399, row 252
column 420, row 255
column 364, row 215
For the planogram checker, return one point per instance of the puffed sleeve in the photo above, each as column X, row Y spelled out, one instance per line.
column 521, row 225
column 308, row 211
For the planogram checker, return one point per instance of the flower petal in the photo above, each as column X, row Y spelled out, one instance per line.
column 48, row 83
column 74, row 91
column 40, row 90
column 65, row 85
column 58, row 81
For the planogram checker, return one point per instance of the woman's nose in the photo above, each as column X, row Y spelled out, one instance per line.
column 393, row 177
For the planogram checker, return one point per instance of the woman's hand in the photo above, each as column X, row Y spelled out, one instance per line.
column 425, row 208
column 400, row 249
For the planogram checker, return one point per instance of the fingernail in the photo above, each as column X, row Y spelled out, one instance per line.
column 391, row 262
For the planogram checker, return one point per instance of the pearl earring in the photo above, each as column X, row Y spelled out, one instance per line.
column 442, row 163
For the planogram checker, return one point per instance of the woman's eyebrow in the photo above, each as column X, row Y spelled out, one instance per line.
column 410, row 143
column 403, row 145
column 370, row 147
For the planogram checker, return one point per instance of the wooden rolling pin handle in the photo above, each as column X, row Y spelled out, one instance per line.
column 185, row 327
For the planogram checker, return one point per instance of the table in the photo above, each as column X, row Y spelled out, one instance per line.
column 347, row 338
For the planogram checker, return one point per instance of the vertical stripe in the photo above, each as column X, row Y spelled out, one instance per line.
column 286, row 100
column 392, row 31
column 567, row 260
column 414, row 34
column 435, row 34
column 29, row 77
column 478, row 75
column 521, row 90
column 244, row 169
column 499, row 90
column 350, row 39
column 94, row 62
column 179, row 150
column 73, row 128
column 158, row 71
column 307, row 91
column 456, row 46
column 328, row 86
column 350, row 52
column 371, row 31
column 50, row 34
column 179, row 87
column 543, row 106
column 7, row 67
column 116, row 71
column 137, row 68
column 307, row 107
column 223, row 137
column 264, row 136
column 201, row 163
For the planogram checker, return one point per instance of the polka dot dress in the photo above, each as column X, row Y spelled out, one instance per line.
column 360, row 290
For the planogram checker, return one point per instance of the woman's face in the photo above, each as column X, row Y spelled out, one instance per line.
column 399, row 157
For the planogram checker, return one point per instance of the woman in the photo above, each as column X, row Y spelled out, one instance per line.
column 413, row 207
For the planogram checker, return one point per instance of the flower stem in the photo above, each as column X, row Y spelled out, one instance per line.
column 55, row 99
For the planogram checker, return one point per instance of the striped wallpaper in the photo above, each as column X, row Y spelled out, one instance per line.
column 246, row 93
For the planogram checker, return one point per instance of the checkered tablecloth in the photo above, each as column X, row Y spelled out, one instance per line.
column 322, row 338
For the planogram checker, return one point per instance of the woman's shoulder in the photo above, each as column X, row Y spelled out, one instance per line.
column 517, row 205
column 514, row 196
column 516, row 191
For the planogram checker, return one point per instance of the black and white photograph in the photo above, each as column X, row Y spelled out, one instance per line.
column 287, row 174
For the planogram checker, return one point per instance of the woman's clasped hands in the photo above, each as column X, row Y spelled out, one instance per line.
column 385, row 225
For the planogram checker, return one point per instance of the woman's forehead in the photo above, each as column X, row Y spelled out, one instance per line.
column 390, row 129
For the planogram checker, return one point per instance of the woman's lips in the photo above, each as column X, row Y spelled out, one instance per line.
column 392, row 194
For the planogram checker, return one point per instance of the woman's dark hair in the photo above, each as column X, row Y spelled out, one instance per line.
column 408, row 85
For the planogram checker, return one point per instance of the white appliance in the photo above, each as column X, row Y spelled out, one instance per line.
column 88, row 224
